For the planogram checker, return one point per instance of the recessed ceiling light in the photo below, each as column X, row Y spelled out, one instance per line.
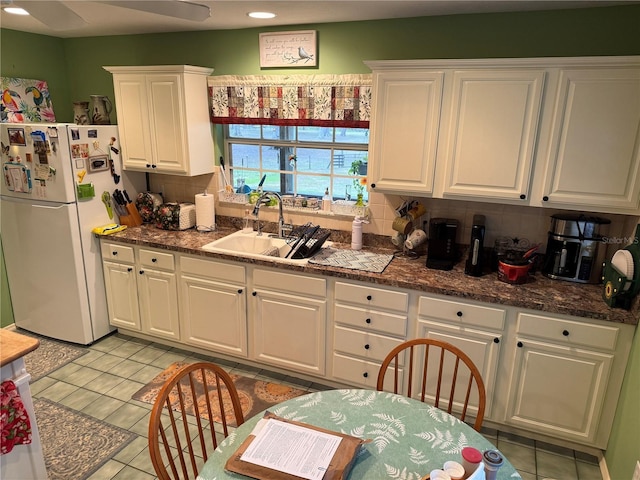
column 261, row 14
column 16, row 10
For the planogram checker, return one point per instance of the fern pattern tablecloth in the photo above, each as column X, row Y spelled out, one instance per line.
column 409, row 438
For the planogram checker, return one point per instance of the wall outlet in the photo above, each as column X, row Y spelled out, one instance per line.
column 636, row 472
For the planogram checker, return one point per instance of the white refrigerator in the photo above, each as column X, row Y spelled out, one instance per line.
column 51, row 197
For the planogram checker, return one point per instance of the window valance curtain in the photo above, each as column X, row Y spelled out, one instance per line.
column 316, row 100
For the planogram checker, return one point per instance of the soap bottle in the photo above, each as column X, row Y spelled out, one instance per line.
column 247, row 222
column 326, row 201
column 356, row 234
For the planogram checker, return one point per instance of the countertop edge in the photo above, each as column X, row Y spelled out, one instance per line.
column 486, row 289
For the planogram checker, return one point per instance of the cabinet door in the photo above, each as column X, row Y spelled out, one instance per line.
column 491, row 135
column 215, row 315
column 594, row 155
column 404, row 133
column 122, row 295
column 557, row 390
column 289, row 331
column 166, row 111
column 133, row 121
column 482, row 347
column 158, row 292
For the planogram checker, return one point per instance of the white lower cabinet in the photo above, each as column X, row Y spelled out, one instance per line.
column 553, row 375
column 476, row 329
column 563, row 382
column 289, row 321
column 368, row 323
column 121, row 285
column 142, row 290
column 214, row 312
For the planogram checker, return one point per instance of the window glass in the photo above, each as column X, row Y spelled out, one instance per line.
column 297, row 160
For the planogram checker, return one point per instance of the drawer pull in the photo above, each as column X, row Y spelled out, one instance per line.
column 114, row 254
column 129, row 269
column 496, row 340
column 141, row 272
column 148, row 165
column 239, row 290
column 365, row 374
column 366, row 347
column 369, row 297
column 254, row 293
column 565, row 333
column 523, row 196
column 459, row 313
column 154, row 260
column 368, row 320
column 520, row 345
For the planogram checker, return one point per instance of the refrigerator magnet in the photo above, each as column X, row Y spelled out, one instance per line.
column 53, row 132
column 75, row 134
column 17, row 136
column 79, row 163
column 98, row 163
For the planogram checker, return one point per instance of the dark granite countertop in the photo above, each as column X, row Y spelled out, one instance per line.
column 541, row 293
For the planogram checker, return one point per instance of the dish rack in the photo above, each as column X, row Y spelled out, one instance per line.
column 306, row 240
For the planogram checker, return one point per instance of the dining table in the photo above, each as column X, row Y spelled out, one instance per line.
column 409, row 438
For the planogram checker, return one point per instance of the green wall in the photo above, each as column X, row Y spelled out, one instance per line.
column 6, row 310
column 73, row 68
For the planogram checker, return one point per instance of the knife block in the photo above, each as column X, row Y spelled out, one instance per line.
column 133, row 219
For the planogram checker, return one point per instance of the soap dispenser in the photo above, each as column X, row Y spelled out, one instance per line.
column 356, row 234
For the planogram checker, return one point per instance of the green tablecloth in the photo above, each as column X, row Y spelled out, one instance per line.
column 409, row 438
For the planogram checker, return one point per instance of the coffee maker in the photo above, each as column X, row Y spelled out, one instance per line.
column 572, row 248
column 442, row 252
column 475, row 259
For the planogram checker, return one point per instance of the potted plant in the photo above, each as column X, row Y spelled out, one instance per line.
column 359, row 167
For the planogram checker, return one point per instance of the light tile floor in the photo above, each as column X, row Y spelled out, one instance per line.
column 101, row 383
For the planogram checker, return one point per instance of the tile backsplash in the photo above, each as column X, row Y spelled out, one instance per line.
column 511, row 221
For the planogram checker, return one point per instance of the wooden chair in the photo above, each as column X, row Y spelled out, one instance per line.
column 178, row 437
column 453, row 370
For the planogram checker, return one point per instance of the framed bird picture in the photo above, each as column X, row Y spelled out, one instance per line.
column 288, row 49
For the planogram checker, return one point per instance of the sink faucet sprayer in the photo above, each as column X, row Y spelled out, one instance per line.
column 264, row 199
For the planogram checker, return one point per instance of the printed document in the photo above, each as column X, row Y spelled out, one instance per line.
column 291, row 449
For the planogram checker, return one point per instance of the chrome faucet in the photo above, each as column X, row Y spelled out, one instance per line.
column 264, row 199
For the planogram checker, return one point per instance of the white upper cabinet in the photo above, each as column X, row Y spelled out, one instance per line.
column 163, row 119
column 492, row 120
column 546, row 132
column 593, row 156
column 404, row 131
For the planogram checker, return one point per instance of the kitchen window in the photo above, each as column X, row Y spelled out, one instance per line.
column 297, row 160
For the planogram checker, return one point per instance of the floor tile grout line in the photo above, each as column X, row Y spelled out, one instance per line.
column 263, row 373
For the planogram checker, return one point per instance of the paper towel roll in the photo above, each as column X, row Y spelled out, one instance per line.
column 205, row 212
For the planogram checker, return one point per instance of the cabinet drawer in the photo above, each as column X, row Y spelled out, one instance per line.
column 155, row 259
column 115, row 251
column 360, row 372
column 287, row 282
column 363, row 344
column 371, row 320
column 462, row 313
column 568, row 331
column 213, row 270
column 371, row 297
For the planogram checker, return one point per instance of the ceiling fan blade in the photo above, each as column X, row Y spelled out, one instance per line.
column 55, row 14
column 174, row 8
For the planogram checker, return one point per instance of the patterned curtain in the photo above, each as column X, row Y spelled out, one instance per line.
column 316, row 100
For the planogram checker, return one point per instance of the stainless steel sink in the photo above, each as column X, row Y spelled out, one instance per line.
column 249, row 244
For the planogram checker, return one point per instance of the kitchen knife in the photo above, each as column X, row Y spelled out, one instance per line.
column 262, row 181
column 126, row 195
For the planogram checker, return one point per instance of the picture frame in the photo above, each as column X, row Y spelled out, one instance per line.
column 17, row 136
column 288, row 49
